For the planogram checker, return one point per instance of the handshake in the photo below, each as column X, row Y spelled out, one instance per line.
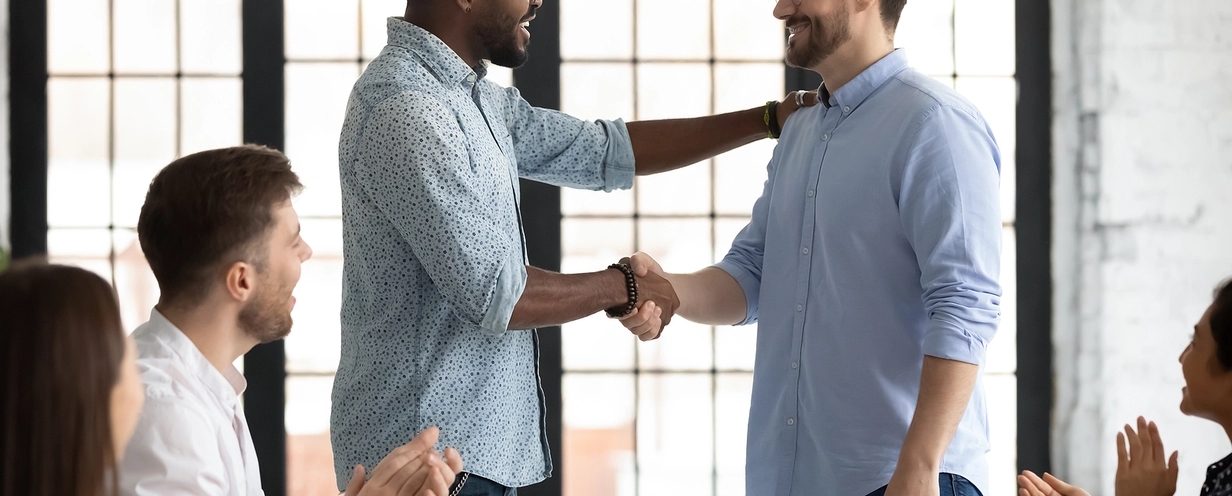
column 657, row 301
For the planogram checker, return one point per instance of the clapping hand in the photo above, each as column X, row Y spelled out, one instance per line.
column 1141, row 469
column 413, row 469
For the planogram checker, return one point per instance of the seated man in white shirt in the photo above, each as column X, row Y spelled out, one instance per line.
column 222, row 239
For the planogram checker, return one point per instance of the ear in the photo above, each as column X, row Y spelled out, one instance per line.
column 863, row 5
column 465, row 5
column 240, row 281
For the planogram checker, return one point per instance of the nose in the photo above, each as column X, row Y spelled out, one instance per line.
column 1183, row 353
column 536, row 3
column 307, row 252
column 784, row 9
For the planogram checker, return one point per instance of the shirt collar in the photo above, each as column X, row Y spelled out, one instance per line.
column 227, row 385
column 444, row 63
column 852, row 94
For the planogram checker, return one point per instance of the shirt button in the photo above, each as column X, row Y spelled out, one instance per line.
column 806, row 251
column 791, row 421
column 825, row 137
column 846, row 109
column 470, row 78
column 799, row 308
column 811, row 192
column 795, row 365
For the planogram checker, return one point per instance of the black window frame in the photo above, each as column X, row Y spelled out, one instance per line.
column 539, row 82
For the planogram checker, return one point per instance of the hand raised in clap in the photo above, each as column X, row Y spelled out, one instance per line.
column 413, row 469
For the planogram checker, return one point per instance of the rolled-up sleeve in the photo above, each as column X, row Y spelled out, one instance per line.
column 949, row 205
column 412, row 164
column 744, row 261
column 562, row 150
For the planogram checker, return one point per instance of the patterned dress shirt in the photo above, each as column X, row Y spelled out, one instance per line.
column 1218, row 478
column 876, row 241
column 430, row 157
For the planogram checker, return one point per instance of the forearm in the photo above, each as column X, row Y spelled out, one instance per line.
column 945, row 391
column 664, row 145
column 553, row 299
column 709, row 296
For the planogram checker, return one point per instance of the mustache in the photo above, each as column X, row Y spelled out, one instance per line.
column 796, row 19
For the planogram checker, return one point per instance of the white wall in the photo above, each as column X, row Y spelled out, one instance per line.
column 1143, row 197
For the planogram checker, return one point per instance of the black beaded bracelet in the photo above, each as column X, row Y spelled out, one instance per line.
column 772, row 119
column 619, row 311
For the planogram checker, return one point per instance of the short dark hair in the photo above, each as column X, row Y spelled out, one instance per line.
column 61, row 347
column 208, row 210
column 1221, row 324
column 891, row 11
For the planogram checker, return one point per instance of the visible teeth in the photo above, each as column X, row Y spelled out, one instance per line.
column 526, row 24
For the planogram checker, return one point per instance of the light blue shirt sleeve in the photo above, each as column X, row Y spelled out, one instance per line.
column 950, row 211
column 413, row 164
column 744, row 261
column 562, row 150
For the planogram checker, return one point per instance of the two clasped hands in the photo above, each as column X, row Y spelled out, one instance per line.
column 657, row 300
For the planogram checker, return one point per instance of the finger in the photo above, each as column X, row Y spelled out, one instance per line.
column 1135, row 448
column 410, row 478
column 1122, row 454
column 652, row 335
column 1157, row 445
column 1173, row 471
column 638, row 264
column 389, row 468
column 454, row 460
column 438, row 480
column 1033, row 484
column 1026, row 487
column 648, row 326
column 811, row 99
column 633, row 319
column 1144, row 443
column 357, row 481
column 1060, row 486
column 426, row 439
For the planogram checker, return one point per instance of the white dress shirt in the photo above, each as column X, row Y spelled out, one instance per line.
column 192, row 437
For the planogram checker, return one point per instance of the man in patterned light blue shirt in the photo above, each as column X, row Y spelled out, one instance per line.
column 870, row 265
column 436, row 287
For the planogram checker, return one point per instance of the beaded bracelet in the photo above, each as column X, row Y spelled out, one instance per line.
column 771, row 117
column 619, row 311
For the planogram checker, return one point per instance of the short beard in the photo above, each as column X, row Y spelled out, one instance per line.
column 266, row 317
column 824, row 39
column 499, row 37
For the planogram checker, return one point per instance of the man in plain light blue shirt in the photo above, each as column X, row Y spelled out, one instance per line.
column 870, row 265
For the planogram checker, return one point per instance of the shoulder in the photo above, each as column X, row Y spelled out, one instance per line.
column 928, row 98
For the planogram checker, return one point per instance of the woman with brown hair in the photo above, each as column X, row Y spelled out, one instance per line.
column 69, row 390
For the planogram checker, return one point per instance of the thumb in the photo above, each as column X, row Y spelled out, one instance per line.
column 1058, row 485
column 357, row 481
column 1173, row 470
column 425, row 440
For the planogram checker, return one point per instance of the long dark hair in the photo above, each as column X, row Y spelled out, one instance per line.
column 61, row 347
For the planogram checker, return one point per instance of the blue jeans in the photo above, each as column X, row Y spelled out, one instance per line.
column 478, row 486
column 951, row 485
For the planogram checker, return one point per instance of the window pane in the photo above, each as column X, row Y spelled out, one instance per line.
column 1001, row 392
column 376, row 13
column 741, row 86
column 996, row 98
column 680, row 192
column 675, row 30
column 597, row 90
column 86, row 248
column 315, row 342
column 310, row 459
column 926, row 30
column 316, row 104
column 670, row 90
column 725, row 231
column 596, row 342
column 735, row 347
column 675, row 434
column 144, row 34
column 500, row 75
column 145, row 127
column 78, row 36
column 680, row 245
column 578, row 39
column 740, row 177
column 212, row 113
column 78, row 171
column 134, row 282
column 322, row 30
column 598, row 434
column 746, row 30
column 733, row 393
column 1002, row 352
column 210, row 36
column 984, row 37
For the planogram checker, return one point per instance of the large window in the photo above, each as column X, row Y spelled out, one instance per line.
column 669, row 417
column 133, row 85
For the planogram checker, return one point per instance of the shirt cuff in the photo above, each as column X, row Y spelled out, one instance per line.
column 951, row 342
column 509, row 287
column 751, row 285
column 618, row 163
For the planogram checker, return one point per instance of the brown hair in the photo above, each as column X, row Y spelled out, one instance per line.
column 891, row 11
column 209, row 210
column 61, row 343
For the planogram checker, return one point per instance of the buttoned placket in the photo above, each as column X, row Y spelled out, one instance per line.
column 831, row 118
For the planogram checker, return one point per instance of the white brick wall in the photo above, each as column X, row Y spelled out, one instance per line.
column 1142, row 231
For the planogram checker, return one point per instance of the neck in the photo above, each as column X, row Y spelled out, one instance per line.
column 214, row 329
column 447, row 22
column 853, row 58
